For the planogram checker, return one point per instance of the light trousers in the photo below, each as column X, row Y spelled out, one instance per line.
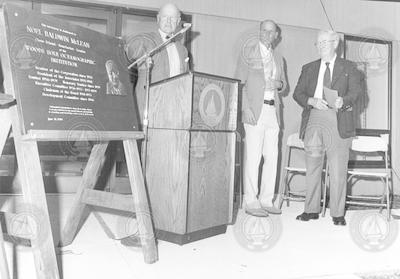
column 261, row 140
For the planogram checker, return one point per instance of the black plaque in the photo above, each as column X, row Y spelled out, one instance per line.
column 66, row 76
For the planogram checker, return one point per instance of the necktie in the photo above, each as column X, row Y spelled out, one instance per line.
column 327, row 76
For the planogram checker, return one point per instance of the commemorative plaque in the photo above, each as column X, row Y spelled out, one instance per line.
column 65, row 75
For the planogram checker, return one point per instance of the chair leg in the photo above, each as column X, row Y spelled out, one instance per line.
column 326, row 183
column 325, row 189
column 388, row 192
column 240, row 174
column 287, row 189
column 282, row 190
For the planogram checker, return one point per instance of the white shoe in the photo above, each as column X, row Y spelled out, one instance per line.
column 255, row 209
column 270, row 208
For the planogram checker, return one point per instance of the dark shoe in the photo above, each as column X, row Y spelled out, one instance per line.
column 339, row 221
column 307, row 216
column 257, row 212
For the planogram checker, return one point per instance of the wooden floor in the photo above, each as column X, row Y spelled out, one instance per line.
column 314, row 249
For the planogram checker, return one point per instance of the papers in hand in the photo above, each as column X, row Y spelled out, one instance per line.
column 330, row 96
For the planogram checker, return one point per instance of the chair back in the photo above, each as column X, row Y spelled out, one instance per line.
column 295, row 141
column 369, row 144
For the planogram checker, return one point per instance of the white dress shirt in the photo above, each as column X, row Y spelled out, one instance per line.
column 269, row 69
column 173, row 56
column 319, row 90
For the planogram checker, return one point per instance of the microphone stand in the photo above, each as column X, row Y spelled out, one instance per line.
column 149, row 64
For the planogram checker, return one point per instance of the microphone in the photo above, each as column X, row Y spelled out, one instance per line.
column 187, row 25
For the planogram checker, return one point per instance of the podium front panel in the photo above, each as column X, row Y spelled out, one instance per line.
column 170, row 103
column 194, row 101
column 167, row 175
column 190, row 178
column 214, row 103
column 211, row 179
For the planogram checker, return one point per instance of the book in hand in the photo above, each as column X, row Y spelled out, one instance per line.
column 330, row 96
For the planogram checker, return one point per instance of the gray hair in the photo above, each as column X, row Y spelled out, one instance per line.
column 332, row 34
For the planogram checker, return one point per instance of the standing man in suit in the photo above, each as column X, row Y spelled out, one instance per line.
column 327, row 127
column 262, row 72
column 170, row 61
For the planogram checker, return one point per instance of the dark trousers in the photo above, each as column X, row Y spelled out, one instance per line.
column 322, row 137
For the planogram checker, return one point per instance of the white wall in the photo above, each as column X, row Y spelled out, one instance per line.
column 348, row 16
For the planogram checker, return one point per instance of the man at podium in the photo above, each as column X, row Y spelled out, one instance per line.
column 168, row 62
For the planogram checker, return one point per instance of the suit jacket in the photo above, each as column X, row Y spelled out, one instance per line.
column 251, row 73
column 160, row 69
column 346, row 79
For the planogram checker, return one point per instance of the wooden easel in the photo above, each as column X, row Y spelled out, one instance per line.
column 137, row 203
column 4, row 100
column 34, row 193
column 30, row 173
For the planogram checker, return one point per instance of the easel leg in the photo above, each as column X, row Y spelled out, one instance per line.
column 4, row 128
column 4, row 131
column 4, row 273
column 35, row 197
column 89, row 179
column 143, row 214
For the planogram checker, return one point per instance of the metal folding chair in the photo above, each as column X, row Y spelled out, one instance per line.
column 371, row 146
column 290, row 171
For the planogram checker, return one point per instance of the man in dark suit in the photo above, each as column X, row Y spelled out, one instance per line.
column 261, row 69
column 327, row 127
column 170, row 61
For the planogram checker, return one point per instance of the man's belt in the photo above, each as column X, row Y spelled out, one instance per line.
column 269, row 102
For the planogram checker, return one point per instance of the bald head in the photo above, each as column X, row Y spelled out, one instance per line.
column 268, row 32
column 269, row 23
column 168, row 18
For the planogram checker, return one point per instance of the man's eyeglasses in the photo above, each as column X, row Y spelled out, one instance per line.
column 170, row 19
column 323, row 43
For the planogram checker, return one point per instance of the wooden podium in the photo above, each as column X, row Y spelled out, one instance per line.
column 191, row 155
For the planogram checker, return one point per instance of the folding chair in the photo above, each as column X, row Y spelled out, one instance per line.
column 371, row 146
column 295, row 143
